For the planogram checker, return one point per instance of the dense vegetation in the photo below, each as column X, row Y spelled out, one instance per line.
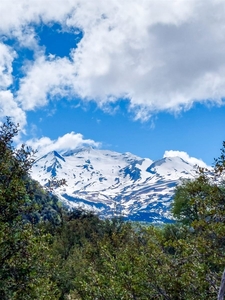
column 49, row 253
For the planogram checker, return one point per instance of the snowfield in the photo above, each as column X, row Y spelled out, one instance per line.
column 111, row 183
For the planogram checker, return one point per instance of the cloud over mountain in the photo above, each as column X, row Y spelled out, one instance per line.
column 69, row 141
column 185, row 156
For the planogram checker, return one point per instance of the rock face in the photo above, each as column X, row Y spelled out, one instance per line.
column 112, row 183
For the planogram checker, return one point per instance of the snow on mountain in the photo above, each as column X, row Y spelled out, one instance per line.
column 112, row 183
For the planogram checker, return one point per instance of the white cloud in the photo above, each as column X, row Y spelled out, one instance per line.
column 16, row 15
column 69, row 141
column 162, row 55
column 46, row 78
column 186, row 157
column 8, row 107
column 7, row 56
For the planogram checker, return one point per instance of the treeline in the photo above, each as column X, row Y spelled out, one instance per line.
column 47, row 252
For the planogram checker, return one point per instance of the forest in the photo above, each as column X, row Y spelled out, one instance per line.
column 48, row 252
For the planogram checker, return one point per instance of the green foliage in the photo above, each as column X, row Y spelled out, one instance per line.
column 116, row 260
column 200, row 205
column 199, row 199
column 24, row 254
column 49, row 253
column 45, row 206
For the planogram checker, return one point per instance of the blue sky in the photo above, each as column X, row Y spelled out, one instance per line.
column 144, row 78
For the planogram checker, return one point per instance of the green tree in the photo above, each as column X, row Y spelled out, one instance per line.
column 25, row 258
column 199, row 205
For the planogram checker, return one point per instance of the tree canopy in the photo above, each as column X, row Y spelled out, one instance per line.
column 24, row 249
column 47, row 252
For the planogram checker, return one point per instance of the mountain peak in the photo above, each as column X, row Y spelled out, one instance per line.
column 77, row 150
column 102, row 180
column 56, row 154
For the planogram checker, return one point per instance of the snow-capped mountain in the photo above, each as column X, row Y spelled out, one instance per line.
column 112, row 183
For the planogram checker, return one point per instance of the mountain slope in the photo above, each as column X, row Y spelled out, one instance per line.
column 112, row 183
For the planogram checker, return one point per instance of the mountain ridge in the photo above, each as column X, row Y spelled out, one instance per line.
column 111, row 183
